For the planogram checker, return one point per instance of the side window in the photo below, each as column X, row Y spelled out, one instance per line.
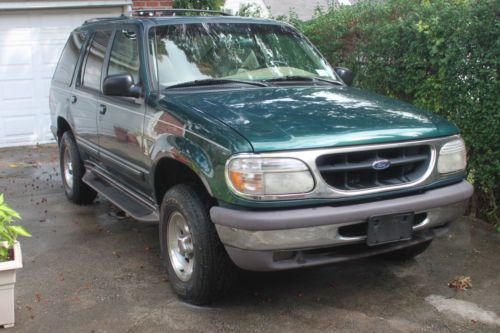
column 124, row 58
column 95, row 57
column 69, row 58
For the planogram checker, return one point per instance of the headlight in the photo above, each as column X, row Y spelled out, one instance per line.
column 260, row 177
column 452, row 157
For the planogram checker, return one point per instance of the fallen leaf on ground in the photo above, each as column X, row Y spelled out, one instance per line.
column 23, row 164
column 38, row 297
column 461, row 283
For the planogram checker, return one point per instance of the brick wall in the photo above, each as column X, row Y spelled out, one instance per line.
column 144, row 3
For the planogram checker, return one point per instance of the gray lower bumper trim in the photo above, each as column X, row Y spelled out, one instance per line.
column 266, row 260
column 326, row 215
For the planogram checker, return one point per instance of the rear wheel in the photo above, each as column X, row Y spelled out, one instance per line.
column 72, row 171
column 198, row 266
column 408, row 253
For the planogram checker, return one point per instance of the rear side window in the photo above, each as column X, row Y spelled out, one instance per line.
column 69, row 57
column 124, row 58
column 95, row 58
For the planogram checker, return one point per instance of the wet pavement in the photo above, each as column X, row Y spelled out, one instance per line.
column 85, row 270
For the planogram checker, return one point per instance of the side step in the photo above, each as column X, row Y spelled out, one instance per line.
column 129, row 202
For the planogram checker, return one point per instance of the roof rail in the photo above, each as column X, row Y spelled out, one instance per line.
column 100, row 19
column 152, row 12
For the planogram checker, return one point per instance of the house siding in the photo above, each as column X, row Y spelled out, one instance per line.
column 154, row 4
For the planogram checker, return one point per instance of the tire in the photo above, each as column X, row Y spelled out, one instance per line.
column 198, row 268
column 408, row 253
column 72, row 171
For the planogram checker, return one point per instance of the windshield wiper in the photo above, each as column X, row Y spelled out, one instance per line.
column 302, row 78
column 208, row 82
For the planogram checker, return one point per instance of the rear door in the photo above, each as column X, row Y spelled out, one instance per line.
column 121, row 119
column 84, row 100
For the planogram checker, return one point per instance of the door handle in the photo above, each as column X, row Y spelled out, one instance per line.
column 73, row 99
column 102, row 109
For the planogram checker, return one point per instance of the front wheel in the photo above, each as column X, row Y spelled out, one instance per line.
column 198, row 266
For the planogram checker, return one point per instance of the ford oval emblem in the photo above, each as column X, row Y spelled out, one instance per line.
column 381, row 164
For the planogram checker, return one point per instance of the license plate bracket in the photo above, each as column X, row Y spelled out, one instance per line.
column 389, row 228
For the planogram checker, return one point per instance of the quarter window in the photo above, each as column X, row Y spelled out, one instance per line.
column 95, row 58
column 69, row 58
column 124, row 57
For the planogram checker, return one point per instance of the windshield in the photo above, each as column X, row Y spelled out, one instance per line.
column 239, row 51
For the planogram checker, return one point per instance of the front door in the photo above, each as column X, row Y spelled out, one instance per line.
column 121, row 119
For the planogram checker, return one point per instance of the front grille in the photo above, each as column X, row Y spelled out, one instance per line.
column 355, row 171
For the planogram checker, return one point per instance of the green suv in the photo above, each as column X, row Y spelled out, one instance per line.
column 247, row 147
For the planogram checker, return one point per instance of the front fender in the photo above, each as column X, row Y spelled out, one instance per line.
column 194, row 139
column 185, row 152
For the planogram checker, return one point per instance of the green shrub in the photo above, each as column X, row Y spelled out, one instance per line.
column 441, row 55
column 8, row 230
column 198, row 4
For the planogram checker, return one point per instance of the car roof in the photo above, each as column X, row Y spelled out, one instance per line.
column 167, row 20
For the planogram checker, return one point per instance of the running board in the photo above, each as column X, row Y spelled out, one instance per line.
column 129, row 202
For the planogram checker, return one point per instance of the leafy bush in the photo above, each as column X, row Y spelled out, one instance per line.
column 249, row 10
column 9, row 231
column 198, row 4
column 441, row 55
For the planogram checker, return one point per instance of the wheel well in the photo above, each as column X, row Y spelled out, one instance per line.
column 62, row 126
column 170, row 172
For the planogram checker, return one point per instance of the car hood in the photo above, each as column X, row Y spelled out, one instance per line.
column 282, row 118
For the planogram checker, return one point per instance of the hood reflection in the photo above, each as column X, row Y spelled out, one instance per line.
column 309, row 117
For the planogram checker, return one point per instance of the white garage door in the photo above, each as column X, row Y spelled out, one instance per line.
column 30, row 45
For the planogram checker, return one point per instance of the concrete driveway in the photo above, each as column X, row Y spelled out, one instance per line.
column 87, row 271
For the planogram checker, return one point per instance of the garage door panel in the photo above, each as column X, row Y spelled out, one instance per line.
column 15, row 55
column 13, row 36
column 17, row 89
column 15, row 72
column 20, row 126
column 14, row 108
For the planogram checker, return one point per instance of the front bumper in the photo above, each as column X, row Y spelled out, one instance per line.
column 258, row 240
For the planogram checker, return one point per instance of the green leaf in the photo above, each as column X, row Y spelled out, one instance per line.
column 4, row 253
column 20, row 230
column 9, row 211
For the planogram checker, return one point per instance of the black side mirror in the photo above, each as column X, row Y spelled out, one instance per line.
column 121, row 85
column 345, row 74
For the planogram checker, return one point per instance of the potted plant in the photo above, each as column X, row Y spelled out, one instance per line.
column 10, row 260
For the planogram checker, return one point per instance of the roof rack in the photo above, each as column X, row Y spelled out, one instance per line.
column 152, row 12
column 100, row 19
